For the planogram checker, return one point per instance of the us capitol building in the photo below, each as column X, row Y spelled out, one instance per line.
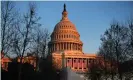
column 66, row 45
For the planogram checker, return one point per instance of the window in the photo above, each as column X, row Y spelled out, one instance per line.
column 83, row 61
column 79, row 60
column 67, row 60
column 74, row 60
column 75, row 67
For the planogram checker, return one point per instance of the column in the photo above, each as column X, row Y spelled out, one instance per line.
column 85, row 66
column 87, row 62
column 76, row 46
column 62, row 46
column 82, row 64
column 66, row 46
column 72, row 46
column 72, row 62
column 54, row 47
column 57, row 46
column 69, row 47
column 78, row 63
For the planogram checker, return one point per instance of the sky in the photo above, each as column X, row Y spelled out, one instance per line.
column 91, row 18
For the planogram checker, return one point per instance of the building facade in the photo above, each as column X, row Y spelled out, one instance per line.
column 26, row 59
column 65, row 47
column 65, row 39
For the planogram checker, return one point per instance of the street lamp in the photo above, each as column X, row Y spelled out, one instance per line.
column 63, row 59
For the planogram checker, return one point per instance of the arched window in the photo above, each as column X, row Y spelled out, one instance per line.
column 62, row 36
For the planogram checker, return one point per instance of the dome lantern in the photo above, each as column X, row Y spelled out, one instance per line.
column 64, row 14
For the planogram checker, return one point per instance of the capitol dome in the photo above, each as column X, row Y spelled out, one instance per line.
column 65, row 37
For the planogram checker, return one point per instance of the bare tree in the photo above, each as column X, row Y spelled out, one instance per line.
column 23, row 34
column 95, row 69
column 130, row 26
column 8, row 19
column 40, row 44
column 114, row 45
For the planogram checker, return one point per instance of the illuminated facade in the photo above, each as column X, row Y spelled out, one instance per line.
column 26, row 59
column 65, row 38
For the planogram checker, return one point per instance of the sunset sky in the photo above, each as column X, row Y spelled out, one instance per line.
column 90, row 18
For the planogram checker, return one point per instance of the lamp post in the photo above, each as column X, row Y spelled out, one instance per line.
column 63, row 59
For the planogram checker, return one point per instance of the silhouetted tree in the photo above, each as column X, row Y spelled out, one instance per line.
column 48, row 71
column 8, row 19
column 23, row 33
column 96, row 69
column 115, row 47
column 28, row 37
column 40, row 44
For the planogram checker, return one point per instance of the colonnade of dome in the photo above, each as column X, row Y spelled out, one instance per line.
column 65, row 37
